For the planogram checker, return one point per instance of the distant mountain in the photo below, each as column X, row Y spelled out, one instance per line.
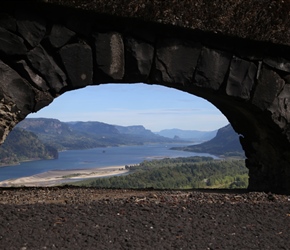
column 135, row 130
column 139, row 133
column 97, row 128
column 191, row 135
column 226, row 143
column 121, row 135
column 82, row 135
column 61, row 136
column 22, row 145
column 45, row 126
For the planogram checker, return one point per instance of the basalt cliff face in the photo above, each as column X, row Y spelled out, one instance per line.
column 235, row 54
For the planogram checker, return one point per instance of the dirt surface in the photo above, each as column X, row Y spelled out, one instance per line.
column 86, row 218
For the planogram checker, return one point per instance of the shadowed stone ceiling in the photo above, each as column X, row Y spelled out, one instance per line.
column 265, row 20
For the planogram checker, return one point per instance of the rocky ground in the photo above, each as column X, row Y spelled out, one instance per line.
column 86, row 218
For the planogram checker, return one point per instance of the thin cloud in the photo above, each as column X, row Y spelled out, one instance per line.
column 181, row 111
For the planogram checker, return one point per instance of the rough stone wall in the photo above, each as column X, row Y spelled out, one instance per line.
column 260, row 20
column 47, row 52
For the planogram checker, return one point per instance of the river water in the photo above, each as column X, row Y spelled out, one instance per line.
column 96, row 157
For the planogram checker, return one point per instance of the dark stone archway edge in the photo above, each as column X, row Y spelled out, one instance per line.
column 86, row 218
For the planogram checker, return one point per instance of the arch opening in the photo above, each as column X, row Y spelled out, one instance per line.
column 155, row 107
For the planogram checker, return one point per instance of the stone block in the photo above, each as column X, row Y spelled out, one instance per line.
column 269, row 85
column 212, row 68
column 110, row 56
column 241, row 78
column 280, row 107
column 31, row 76
column 278, row 63
column 175, row 61
column 138, row 60
column 11, row 44
column 78, row 62
column 16, row 89
column 7, row 22
column 47, row 68
column 31, row 27
column 60, row 35
column 42, row 99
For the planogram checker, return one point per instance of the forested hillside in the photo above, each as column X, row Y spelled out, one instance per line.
column 123, row 135
column 190, row 135
column 59, row 135
column 139, row 133
column 225, row 143
column 22, row 145
column 83, row 135
column 179, row 173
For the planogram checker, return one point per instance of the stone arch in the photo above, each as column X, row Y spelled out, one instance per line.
column 46, row 53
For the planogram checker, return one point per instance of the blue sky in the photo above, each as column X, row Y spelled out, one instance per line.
column 155, row 107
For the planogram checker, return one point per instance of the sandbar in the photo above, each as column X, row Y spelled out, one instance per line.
column 58, row 177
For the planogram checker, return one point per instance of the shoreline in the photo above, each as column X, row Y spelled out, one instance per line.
column 2, row 165
column 58, row 177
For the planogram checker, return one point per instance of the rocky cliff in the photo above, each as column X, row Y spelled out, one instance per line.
column 225, row 143
column 23, row 145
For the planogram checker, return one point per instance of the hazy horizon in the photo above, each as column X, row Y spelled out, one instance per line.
column 152, row 106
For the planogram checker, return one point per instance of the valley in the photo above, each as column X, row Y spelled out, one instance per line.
column 43, row 138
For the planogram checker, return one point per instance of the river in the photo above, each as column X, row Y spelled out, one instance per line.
column 96, row 157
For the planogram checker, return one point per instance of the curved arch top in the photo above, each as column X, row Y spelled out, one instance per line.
column 46, row 53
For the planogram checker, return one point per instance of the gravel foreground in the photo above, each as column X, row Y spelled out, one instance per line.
column 87, row 218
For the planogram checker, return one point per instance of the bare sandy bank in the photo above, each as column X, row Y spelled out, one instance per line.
column 57, row 177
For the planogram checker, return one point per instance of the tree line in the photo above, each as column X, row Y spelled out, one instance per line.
column 178, row 173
